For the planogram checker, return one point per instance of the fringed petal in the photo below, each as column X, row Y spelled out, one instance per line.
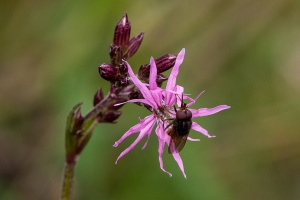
column 179, row 162
column 161, row 144
column 198, row 128
column 208, row 111
column 142, row 87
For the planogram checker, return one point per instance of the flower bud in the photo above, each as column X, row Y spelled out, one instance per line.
column 73, row 132
column 134, row 45
column 163, row 64
column 122, row 33
column 75, row 120
column 108, row 72
column 115, row 54
column 98, row 96
column 111, row 116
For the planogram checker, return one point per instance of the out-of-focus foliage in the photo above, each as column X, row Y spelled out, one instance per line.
column 243, row 53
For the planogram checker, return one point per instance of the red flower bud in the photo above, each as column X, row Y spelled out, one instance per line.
column 98, row 96
column 122, row 33
column 108, row 72
column 134, row 45
column 111, row 116
column 163, row 64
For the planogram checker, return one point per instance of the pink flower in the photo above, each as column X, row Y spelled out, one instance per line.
column 161, row 102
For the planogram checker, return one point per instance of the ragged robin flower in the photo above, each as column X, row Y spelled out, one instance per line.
column 161, row 102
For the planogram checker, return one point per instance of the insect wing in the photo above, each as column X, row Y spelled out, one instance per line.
column 177, row 143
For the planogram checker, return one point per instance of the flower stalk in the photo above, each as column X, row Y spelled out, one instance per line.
column 68, row 181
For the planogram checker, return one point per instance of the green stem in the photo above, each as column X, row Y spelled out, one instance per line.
column 68, row 180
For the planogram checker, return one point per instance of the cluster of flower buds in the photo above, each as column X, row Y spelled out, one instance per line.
column 116, row 72
column 122, row 49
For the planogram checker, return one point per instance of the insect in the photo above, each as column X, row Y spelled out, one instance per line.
column 180, row 128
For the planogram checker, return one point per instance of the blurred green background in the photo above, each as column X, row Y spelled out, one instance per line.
column 245, row 54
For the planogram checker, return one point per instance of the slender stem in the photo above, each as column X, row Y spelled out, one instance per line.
column 68, row 180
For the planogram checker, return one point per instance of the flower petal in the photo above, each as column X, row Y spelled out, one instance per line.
column 153, row 75
column 179, row 91
column 145, row 126
column 142, row 87
column 157, row 96
column 198, row 128
column 193, row 140
column 136, row 128
column 161, row 144
column 174, row 73
column 148, row 133
column 169, row 98
column 179, row 162
column 145, row 101
column 208, row 111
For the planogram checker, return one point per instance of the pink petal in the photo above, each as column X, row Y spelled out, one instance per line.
column 169, row 98
column 162, row 139
column 179, row 162
column 153, row 75
column 193, row 140
column 157, row 96
column 142, row 87
column 179, row 91
column 198, row 128
column 145, row 145
column 148, row 133
column 173, row 75
column 145, row 101
column 136, row 128
column 146, row 126
column 161, row 145
column 175, row 70
column 208, row 111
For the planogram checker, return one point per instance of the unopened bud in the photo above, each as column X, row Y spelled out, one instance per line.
column 78, row 118
column 98, row 96
column 73, row 131
column 111, row 116
column 108, row 72
column 134, row 45
column 163, row 64
column 115, row 54
column 122, row 33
